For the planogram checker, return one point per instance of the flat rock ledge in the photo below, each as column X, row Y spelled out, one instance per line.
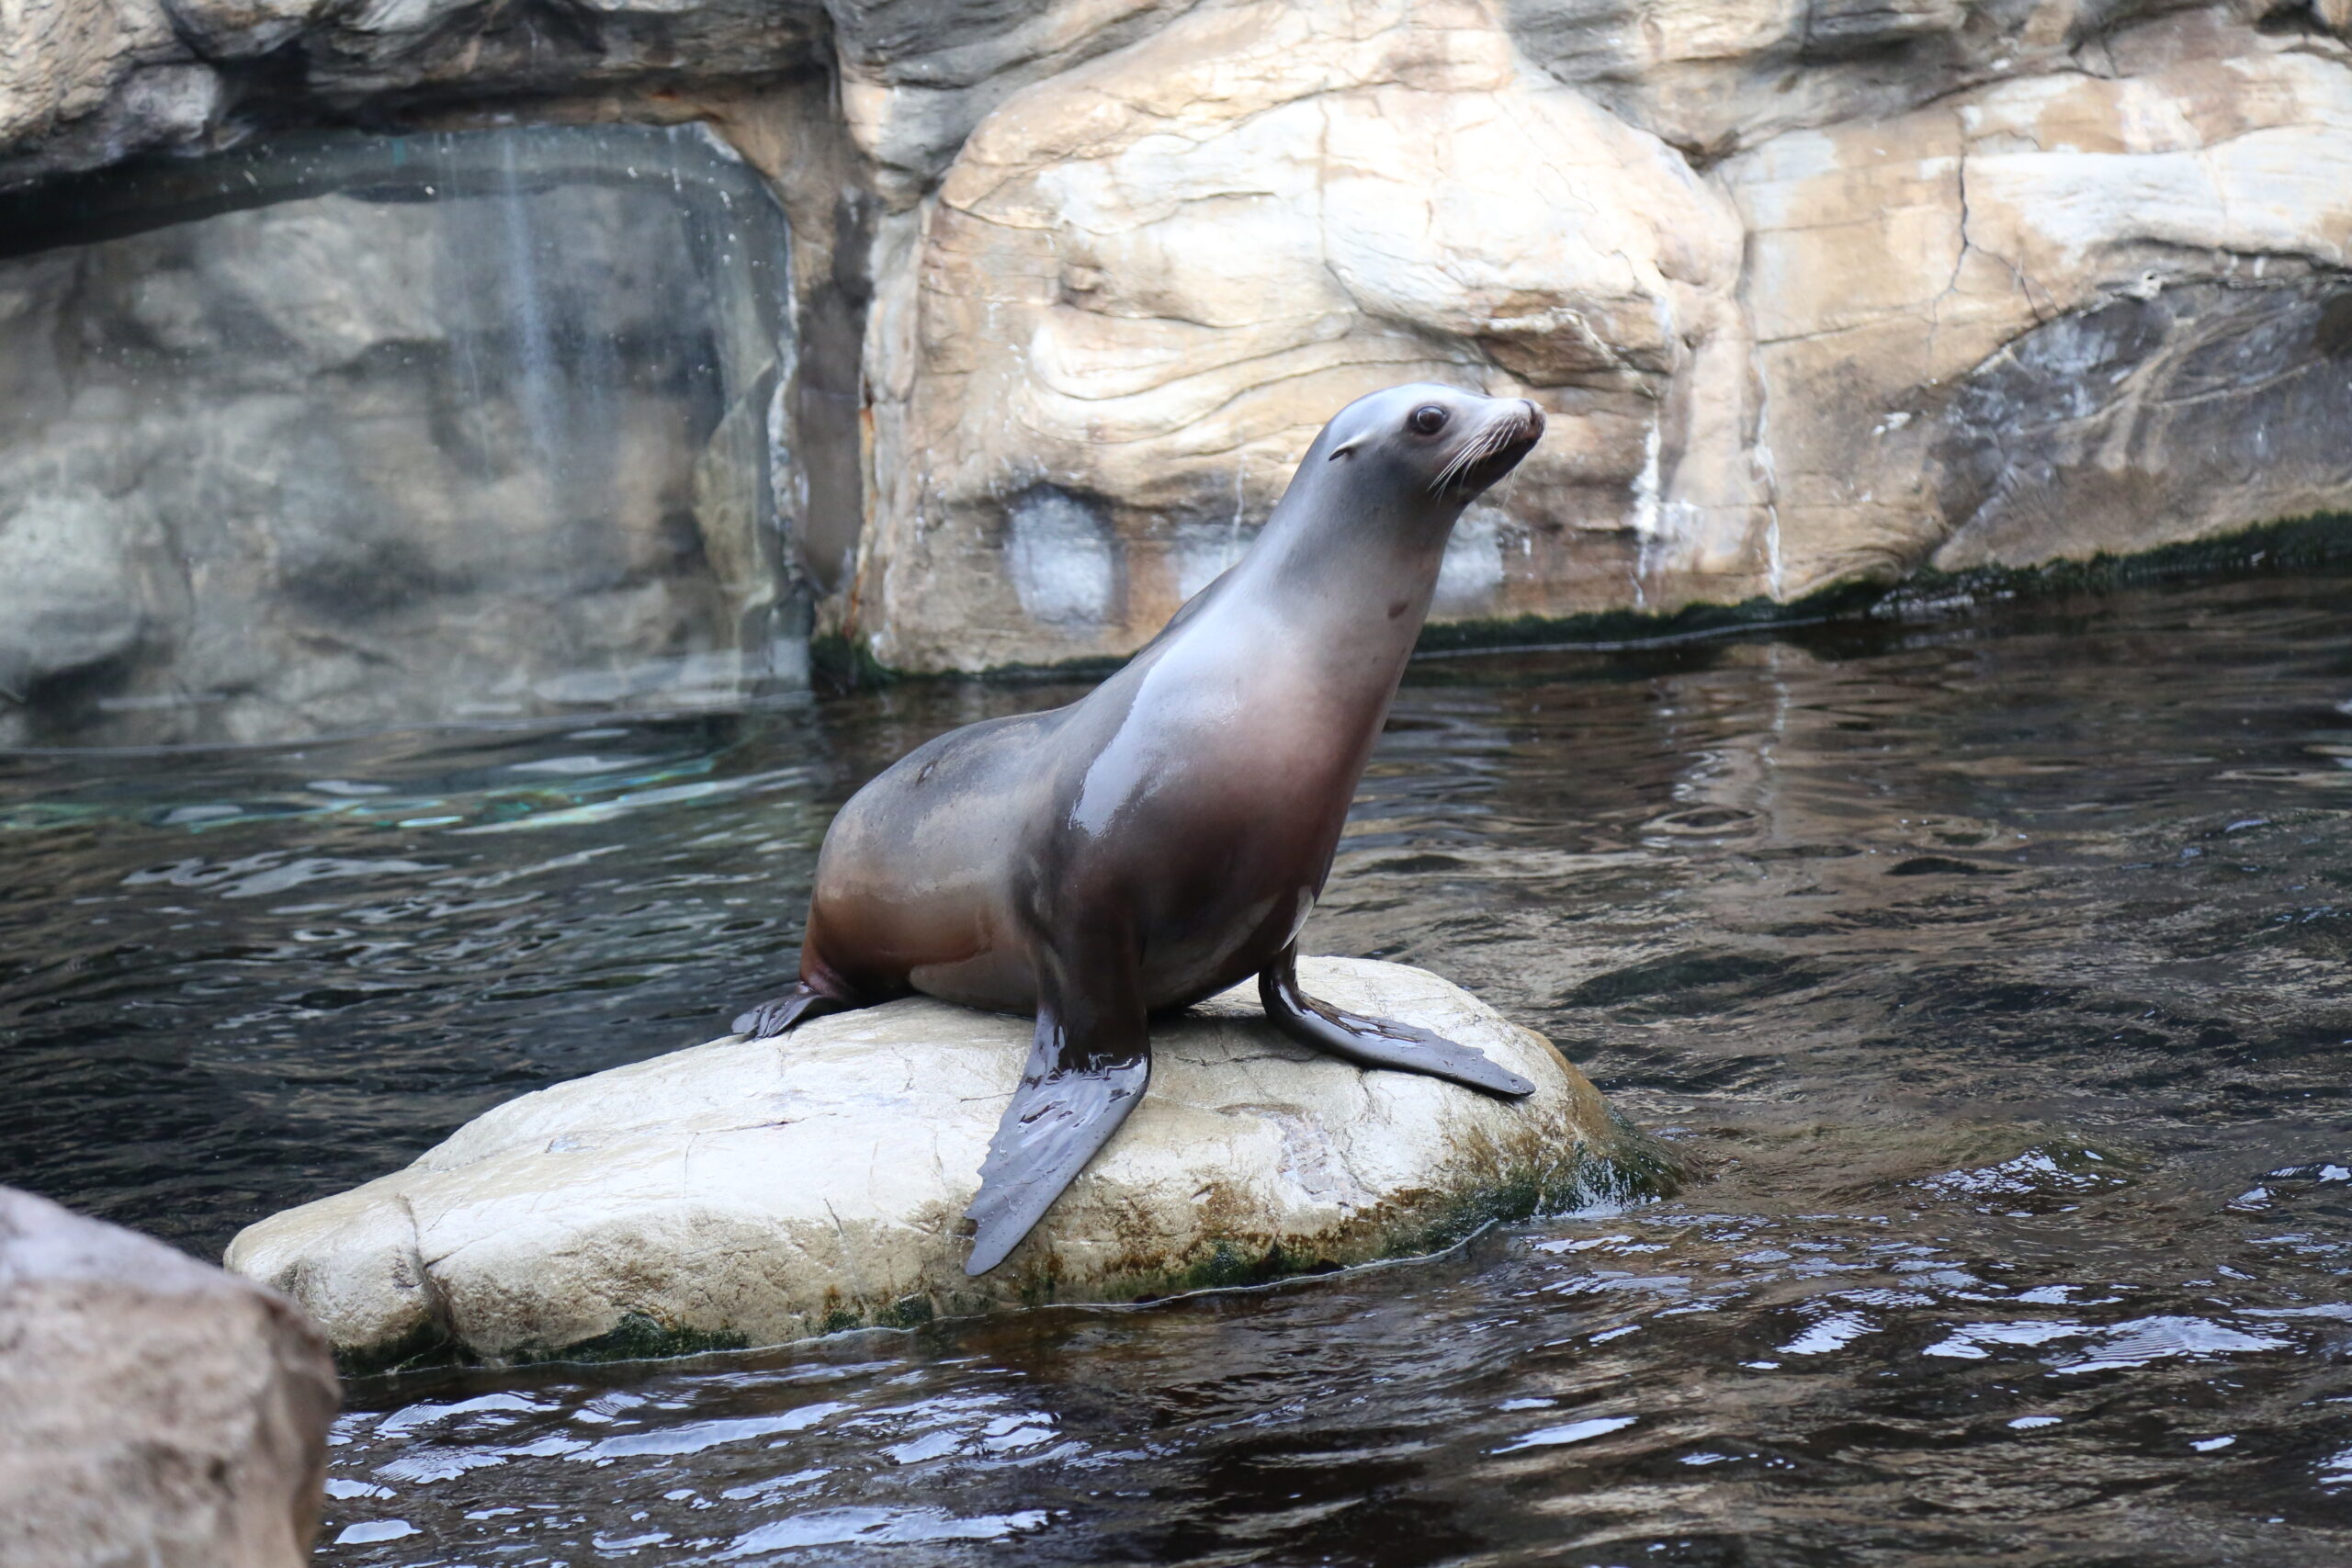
column 749, row 1192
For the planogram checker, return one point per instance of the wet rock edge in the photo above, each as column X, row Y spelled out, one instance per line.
column 1633, row 1166
column 2283, row 545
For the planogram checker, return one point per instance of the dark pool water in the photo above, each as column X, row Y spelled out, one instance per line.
column 1990, row 965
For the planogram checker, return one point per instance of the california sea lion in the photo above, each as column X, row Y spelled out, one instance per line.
column 1164, row 836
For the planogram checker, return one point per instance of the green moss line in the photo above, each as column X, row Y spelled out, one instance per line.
column 2295, row 543
column 423, row 1347
column 1634, row 1167
column 2264, row 549
column 1605, row 629
column 638, row 1338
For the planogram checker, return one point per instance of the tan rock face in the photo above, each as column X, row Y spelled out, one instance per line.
column 153, row 1409
column 1146, row 284
column 2054, row 316
column 2091, row 298
column 1815, row 291
column 757, row 1191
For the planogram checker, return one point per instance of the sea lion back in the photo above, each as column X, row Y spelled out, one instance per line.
column 910, row 887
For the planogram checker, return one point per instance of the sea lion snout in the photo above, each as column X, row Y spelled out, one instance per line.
column 1531, row 421
column 1493, row 450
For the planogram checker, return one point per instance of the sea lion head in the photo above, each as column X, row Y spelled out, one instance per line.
column 1441, row 443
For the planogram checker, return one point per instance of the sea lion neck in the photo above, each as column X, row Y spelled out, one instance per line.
column 1351, row 556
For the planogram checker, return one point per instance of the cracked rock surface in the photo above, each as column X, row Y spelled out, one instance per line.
column 751, row 1192
column 1816, row 292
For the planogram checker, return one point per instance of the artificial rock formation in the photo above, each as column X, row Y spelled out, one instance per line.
column 1146, row 284
column 352, row 457
column 1818, row 292
column 2058, row 315
column 153, row 1409
column 754, row 1192
column 2091, row 298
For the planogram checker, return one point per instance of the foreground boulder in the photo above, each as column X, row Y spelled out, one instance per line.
column 749, row 1192
column 153, row 1409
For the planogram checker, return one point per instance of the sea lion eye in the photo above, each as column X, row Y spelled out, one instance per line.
column 1429, row 418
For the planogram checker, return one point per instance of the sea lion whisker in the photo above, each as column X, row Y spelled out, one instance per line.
column 1477, row 450
column 1455, row 467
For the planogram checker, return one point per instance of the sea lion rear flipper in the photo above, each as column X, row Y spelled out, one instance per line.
column 778, row 1015
column 1088, row 1066
column 1375, row 1042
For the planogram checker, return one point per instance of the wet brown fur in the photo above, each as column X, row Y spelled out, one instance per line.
column 1195, row 798
column 1165, row 836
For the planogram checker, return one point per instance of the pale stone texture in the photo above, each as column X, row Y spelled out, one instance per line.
column 917, row 75
column 757, row 1191
column 2058, row 314
column 1147, row 283
column 153, row 1409
column 1970, row 287
column 1817, row 291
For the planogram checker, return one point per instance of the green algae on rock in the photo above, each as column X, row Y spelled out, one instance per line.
column 751, row 1192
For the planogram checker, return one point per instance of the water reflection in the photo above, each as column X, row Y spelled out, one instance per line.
column 1992, row 970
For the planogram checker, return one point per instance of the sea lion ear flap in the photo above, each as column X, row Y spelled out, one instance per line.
column 1343, row 448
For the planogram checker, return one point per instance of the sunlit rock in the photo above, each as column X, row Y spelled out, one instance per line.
column 1149, row 281
column 153, row 1409
column 755, row 1192
column 2057, row 315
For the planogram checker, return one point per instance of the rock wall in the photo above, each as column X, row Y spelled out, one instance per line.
column 1144, row 286
column 1817, row 291
column 1980, row 311
column 475, row 431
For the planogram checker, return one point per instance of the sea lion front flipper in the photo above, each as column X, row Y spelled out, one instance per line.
column 778, row 1015
column 1376, row 1042
column 1088, row 1065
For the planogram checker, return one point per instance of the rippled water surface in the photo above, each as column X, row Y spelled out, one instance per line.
column 1990, row 967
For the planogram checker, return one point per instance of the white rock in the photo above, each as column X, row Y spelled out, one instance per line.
column 755, row 1192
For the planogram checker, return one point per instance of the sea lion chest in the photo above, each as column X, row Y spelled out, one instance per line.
column 1200, row 805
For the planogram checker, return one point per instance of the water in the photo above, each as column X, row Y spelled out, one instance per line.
column 1990, row 969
